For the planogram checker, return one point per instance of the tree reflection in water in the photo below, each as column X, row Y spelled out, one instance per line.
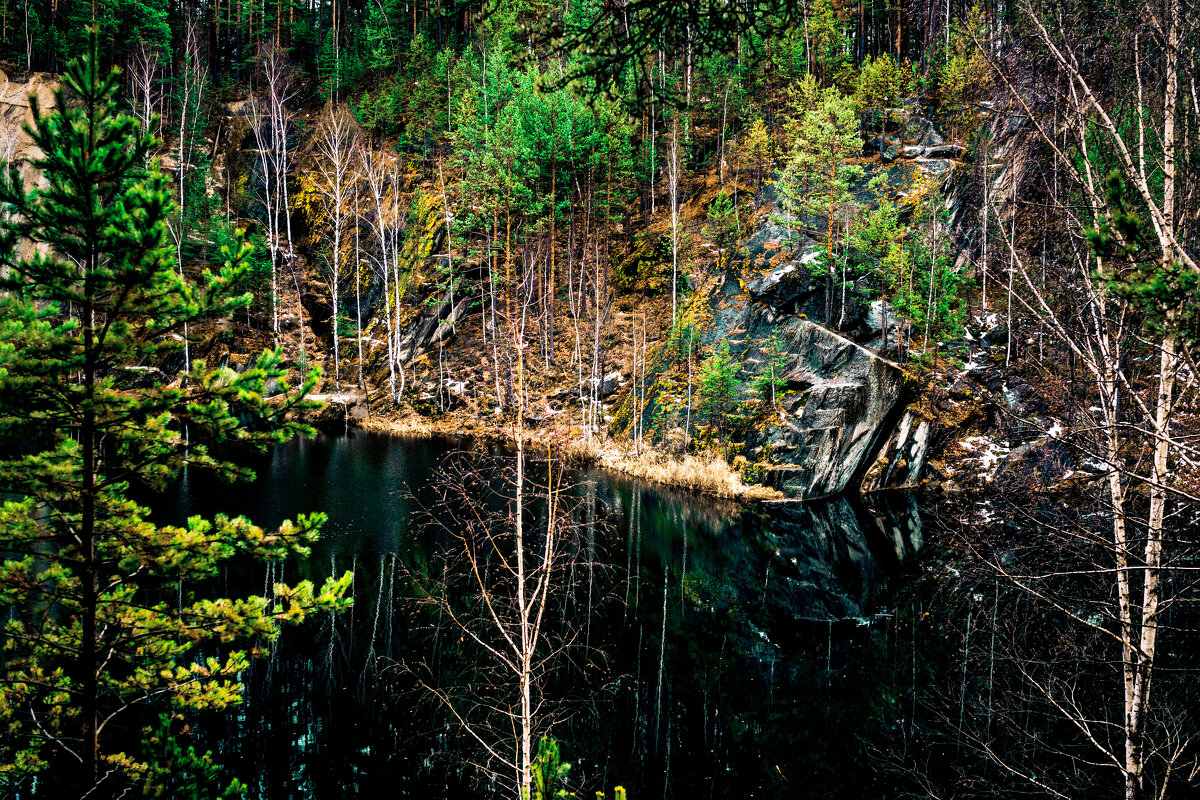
column 720, row 651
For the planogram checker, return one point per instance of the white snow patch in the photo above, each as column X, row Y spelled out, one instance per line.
column 989, row 454
column 1009, row 396
column 986, row 513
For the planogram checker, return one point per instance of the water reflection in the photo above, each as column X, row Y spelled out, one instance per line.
column 729, row 651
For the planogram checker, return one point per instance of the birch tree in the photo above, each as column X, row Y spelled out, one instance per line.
column 505, row 580
column 1119, row 147
column 193, row 78
column 144, row 82
column 376, row 172
column 270, row 121
column 336, row 145
column 674, row 166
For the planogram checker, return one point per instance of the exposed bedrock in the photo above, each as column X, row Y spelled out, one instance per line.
column 840, row 403
column 847, row 420
column 16, row 145
column 827, row 427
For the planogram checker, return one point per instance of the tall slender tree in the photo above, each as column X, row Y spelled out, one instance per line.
column 818, row 180
column 89, row 634
column 336, row 145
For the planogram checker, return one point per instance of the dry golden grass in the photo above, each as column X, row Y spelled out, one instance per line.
column 709, row 475
column 576, row 451
column 411, row 427
column 706, row 475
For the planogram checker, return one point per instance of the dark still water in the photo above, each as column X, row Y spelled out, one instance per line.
column 701, row 649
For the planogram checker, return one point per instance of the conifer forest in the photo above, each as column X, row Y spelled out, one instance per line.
column 599, row 399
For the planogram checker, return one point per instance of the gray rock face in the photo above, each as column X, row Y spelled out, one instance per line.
column 827, row 430
column 139, row 377
column 769, row 237
column 795, row 289
column 951, row 151
column 939, row 168
column 434, row 325
column 878, row 312
column 786, row 287
column 922, row 131
column 841, row 423
column 888, row 148
column 998, row 335
column 610, row 384
column 902, row 457
column 841, row 401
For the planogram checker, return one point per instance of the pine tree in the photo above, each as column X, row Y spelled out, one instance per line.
column 818, row 180
column 718, row 385
column 801, row 97
column 879, row 236
column 921, row 273
column 723, row 227
column 831, row 47
column 878, row 84
column 107, row 611
column 769, row 380
column 757, row 148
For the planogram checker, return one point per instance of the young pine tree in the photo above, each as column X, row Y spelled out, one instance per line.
column 718, row 386
column 723, row 226
column 769, row 380
column 105, row 611
column 879, row 237
column 757, row 149
column 879, row 83
column 818, row 180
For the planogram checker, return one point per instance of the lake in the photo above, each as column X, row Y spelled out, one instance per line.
column 704, row 649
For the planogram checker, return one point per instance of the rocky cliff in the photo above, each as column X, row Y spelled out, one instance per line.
column 16, row 145
column 839, row 403
column 843, row 421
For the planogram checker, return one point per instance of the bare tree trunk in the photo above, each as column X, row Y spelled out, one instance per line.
column 271, row 131
column 358, row 285
column 263, row 146
column 375, row 172
column 1138, row 576
column 984, row 229
column 192, row 79
column 336, row 144
column 673, row 177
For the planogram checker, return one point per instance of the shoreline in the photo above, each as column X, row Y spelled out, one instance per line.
column 709, row 476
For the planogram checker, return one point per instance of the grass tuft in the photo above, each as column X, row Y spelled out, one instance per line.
column 709, row 475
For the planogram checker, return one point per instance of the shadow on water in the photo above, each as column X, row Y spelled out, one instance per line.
column 737, row 652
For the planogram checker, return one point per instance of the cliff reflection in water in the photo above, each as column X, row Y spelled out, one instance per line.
column 724, row 651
